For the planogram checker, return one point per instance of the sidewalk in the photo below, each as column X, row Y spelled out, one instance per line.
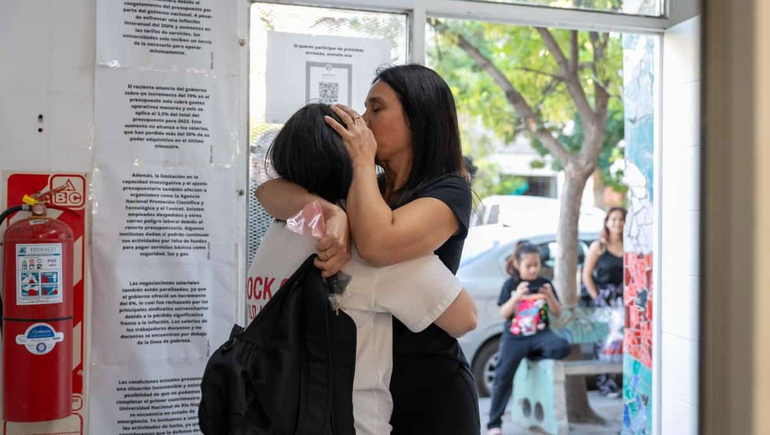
column 610, row 409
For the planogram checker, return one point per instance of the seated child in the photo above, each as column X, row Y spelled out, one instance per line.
column 526, row 302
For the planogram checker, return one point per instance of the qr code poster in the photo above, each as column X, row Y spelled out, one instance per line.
column 304, row 69
column 329, row 83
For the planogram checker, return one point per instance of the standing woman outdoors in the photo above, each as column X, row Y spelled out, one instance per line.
column 420, row 205
column 603, row 279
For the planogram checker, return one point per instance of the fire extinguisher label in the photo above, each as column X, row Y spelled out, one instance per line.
column 40, row 338
column 39, row 274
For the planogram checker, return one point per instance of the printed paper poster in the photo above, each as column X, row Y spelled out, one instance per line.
column 165, row 118
column 326, row 69
column 178, row 35
column 156, row 315
column 138, row 399
column 165, row 276
column 156, row 215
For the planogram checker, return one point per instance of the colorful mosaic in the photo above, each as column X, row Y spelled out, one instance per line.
column 639, row 77
column 637, row 299
column 637, row 397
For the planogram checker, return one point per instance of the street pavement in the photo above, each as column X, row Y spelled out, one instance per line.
column 610, row 409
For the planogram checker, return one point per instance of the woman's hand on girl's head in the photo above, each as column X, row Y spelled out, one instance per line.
column 334, row 247
column 356, row 135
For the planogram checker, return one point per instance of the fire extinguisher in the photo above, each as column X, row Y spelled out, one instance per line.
column 37, row 313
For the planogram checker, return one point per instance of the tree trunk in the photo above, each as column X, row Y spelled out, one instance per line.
column 578, row 408
column 598, row 188
column 565, row 280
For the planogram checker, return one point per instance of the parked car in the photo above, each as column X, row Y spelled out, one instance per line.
column 482, row 268
column 515, row 209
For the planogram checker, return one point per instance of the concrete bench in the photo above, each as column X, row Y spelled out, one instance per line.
column 539, row 388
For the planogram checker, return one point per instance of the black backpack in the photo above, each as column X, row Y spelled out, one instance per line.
column 290, row 372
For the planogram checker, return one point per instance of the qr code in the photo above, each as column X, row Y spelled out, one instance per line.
column 328, row 92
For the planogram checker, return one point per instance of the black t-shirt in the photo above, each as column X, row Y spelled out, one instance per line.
column 424, row 358
column 608, row 270
column 509, row 287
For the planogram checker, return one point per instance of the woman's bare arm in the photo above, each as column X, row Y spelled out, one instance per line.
column 460, row 317
column 282, row 200
column 383, row 236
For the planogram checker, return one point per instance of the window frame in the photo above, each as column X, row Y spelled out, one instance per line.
column 675, row 11
column 417, row 11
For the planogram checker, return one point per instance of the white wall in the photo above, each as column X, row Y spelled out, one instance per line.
column 679, row 247
column 47, row 54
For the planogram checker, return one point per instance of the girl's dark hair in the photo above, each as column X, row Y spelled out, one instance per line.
column 522, row 247
column 311, row 154
column 605, row 230
column 431, row 115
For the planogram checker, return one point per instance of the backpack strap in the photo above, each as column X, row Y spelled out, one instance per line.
column 316, row 370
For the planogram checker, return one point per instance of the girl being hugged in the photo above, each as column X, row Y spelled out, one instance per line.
column 420, row 205
column 527, row 301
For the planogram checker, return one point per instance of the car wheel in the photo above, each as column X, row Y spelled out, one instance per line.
column 484, row 367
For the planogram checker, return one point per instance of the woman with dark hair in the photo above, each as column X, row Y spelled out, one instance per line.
column 418, row 292
column 603, row 279
column 421, row 204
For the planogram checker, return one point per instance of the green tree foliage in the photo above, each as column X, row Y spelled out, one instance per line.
column 521, row 54
column 562, row 88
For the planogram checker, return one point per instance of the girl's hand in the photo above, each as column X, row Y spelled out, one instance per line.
column 553, row 303
column 521, row 290
column 358, row 138
column 334, row 247
column 546, row 290
column 508, row 309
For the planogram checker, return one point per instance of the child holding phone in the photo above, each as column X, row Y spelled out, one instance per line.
column 527, row 300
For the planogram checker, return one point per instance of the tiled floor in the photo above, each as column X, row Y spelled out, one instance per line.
column 610, row 409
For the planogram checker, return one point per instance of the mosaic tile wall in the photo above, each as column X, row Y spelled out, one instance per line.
column 639, row 76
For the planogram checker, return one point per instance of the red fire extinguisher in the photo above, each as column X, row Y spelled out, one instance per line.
column 37, row 316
